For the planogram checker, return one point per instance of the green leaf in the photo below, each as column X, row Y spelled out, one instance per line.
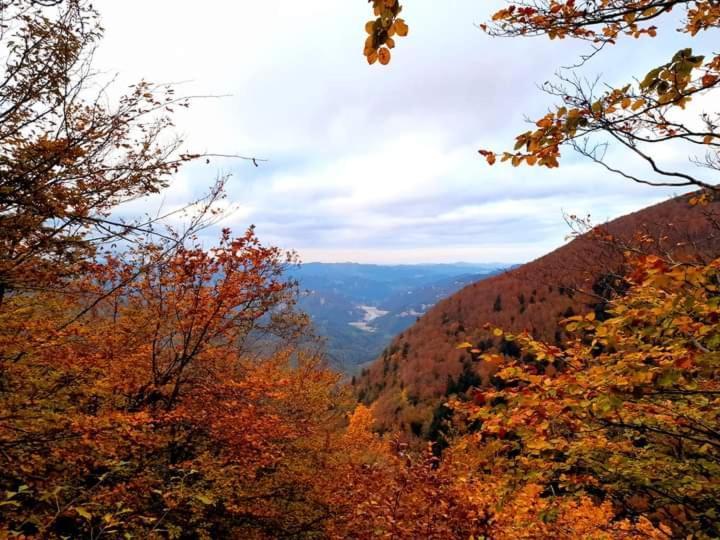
column 669, row 378
column 651, row 77
column 682, row 53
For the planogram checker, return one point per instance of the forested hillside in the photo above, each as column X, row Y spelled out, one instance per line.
column 423, row 366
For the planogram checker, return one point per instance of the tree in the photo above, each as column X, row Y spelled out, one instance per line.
column 631, row 411
column 642, row 117
column 69, row 154
column 156, row 389
column 134, row 399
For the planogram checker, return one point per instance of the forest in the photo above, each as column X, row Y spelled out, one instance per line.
column 155, row 386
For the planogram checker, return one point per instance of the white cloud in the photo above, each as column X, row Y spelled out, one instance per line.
column 369, row 163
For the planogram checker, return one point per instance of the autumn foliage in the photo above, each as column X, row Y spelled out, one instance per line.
column 154, row 387
column 422, row 367
column 632, row 409
column 383, row 30
column 612, row 422
column 641, row 118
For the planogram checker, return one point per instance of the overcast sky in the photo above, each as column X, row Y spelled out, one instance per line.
column 371, row 164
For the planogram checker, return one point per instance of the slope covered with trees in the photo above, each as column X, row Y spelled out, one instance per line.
column 423, row 366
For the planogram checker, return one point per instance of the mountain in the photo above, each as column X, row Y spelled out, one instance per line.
column 359, row 308
column 409, row 382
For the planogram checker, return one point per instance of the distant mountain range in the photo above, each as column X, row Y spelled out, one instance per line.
column 359, row 308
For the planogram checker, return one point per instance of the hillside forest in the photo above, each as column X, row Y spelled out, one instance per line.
column 152, row 386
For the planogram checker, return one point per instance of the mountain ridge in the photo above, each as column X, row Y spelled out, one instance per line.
column 408, row 383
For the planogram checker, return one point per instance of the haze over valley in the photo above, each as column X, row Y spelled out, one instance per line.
column 359, row 308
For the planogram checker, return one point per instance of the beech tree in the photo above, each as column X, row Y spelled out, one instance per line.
column 69, row 154
column 630, row 411
column 133, row 402
column 642, row 117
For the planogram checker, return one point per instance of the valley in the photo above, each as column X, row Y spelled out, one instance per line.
column 359, row 308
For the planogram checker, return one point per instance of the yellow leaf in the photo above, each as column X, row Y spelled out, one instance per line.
column 83, row 513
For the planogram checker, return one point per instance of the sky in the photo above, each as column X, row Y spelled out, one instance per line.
column 374, row 164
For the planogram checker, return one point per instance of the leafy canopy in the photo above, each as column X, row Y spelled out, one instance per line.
column 643, row 117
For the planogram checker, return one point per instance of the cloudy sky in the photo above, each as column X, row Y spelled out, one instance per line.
column 371, row 164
